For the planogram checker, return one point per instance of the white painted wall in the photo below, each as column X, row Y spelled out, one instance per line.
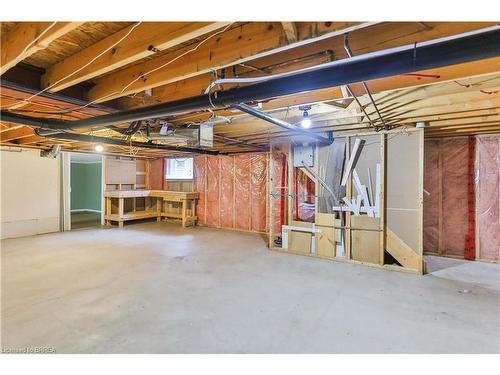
column 30, row 193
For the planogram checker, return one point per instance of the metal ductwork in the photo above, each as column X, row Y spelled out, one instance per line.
column 462, row 48
column 119, row 142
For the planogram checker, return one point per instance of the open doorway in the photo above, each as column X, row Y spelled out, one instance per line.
column 86, row 190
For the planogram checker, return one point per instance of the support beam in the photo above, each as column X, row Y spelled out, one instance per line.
column 26, row 38
column 134, row 43
column 13, row 134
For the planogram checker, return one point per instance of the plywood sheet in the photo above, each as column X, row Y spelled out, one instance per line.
column 403, row 187
column 325, row 242
column 365, row 244
column 299, row 242
column 156, row 174
column 119, row 171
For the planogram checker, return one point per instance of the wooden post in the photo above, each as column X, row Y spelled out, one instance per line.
column 107, row 210
column 421, row 202
column 184, row 206
column 348, row 193
column 120, row 212
column 382, row 227
column 270, row 189
column 158, row 209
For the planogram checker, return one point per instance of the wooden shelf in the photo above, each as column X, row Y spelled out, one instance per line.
column 132, row 216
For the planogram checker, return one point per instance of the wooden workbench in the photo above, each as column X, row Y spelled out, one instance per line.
column 126, row 205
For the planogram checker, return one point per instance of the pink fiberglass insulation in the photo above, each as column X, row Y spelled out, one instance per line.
column 305, row 199
column 431, row 195
column 242, row 189
column 232, row 191
column 488, row 197
column 226, row 191
column 199, row 176
column 258, row 190
column 212, row 191
column 455, row 156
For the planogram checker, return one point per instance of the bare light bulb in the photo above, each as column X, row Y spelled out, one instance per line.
column 305, row 123
column 99, row 148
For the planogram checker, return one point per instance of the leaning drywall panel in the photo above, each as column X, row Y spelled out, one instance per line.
column 30, row 194
column 368, row 160
column 488, row 197
column 402, row 184
column 330, row 167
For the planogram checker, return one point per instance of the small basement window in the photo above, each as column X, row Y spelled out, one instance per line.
column 179, row 169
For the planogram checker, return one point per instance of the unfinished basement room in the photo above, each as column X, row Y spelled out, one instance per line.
column 239, row 187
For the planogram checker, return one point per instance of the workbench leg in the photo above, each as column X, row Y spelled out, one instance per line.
column 107, row 210
column 193, row 210
column 184, row 212
column 120, row 211
column 158, row 209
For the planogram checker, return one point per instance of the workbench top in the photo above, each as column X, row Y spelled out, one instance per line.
column 165, row 194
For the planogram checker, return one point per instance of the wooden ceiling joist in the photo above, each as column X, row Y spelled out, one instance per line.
column 133, row 43
column 235, row 46
column 290, row 31
column 26, row 38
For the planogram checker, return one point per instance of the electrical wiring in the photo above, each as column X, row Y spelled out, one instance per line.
column 141, row 76
column 163, row 65
column 77, row 70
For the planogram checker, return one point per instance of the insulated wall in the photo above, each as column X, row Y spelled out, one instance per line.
column 446, row 184
column 232, row 191
column 488, row 197
column 447, row 201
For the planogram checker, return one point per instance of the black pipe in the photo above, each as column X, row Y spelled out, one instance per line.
column 264, row 116
column 462, row 48
column 119, row 142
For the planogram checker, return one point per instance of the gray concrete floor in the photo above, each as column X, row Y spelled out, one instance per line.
column 158, row 288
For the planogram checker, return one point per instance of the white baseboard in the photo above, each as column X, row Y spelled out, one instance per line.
column 85, row 210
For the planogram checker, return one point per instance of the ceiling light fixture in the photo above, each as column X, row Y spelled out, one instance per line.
column 306, row 121
column 99, row 148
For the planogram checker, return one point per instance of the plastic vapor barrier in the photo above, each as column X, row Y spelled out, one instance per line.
column 232, row 191
column 488, row 196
